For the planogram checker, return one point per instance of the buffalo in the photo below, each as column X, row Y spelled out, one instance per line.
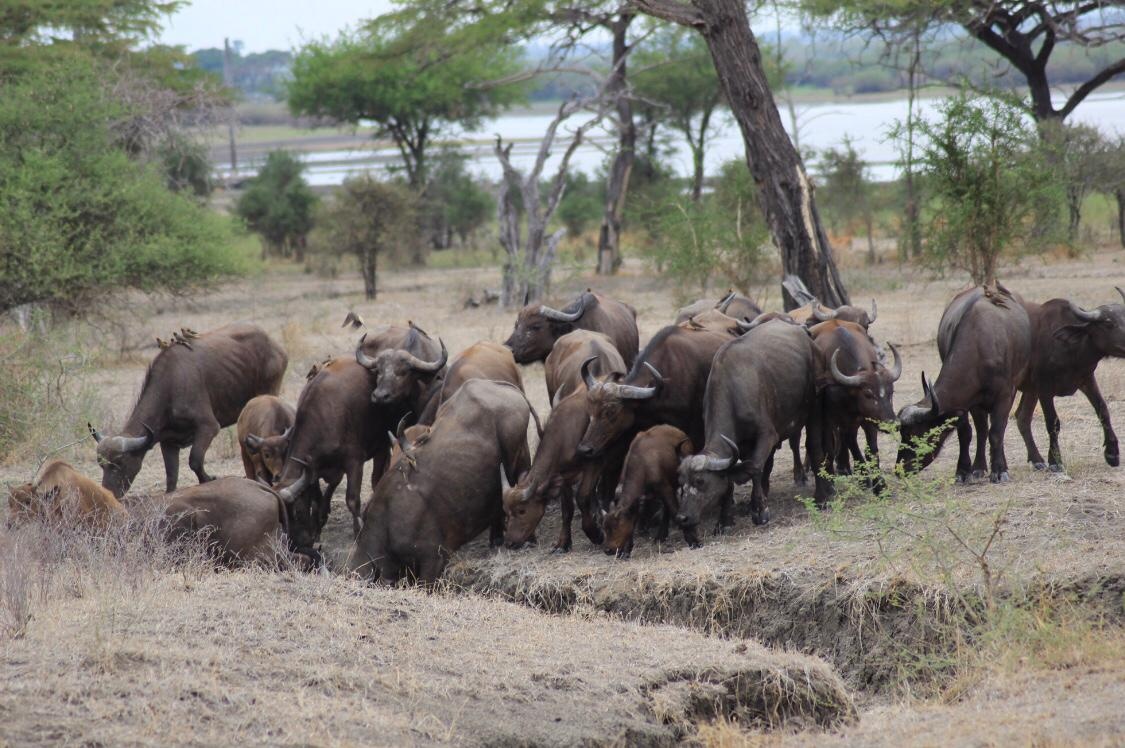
column 650, row 475
column 538, row 327
column 61, row 492
column 563, row 367
column 263, row 428
column 449, row 490
column 406, row 368
column 483, row 360
column 192, row 389
column 984, row 341
column 733, row 305
column 762, row 391
column 1068, row 342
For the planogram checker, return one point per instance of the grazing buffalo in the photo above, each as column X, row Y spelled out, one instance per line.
column 192, row 389
column 762, row 391
column 449, row 490
column 1068, row 342
column 650, row 475
column 338, row 428
column 563, row 367
column 407, row 367
column 714, row 320
column 557, row 473
column 264, row 427
column 733, row 305
column 665, row 385
column 60, row 493
column 241, row 519
column 483, row 360
column 858, row 389
column 538, row 327
column 984, row 340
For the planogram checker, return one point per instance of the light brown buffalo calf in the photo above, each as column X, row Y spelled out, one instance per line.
column 61, row 492
column 264, row 427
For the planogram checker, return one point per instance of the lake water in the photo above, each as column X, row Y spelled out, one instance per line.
column 820, row 126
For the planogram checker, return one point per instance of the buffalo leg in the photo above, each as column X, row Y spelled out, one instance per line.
column 1093, row 394
column 204, row 434
column 566, row 506
column 870, row 458
column 171, row 455
column 670, row 507
column 1054, row 426
column 980, row 425
column 1024, row 413
column 726, row 511
column 798, row 467
column 354, row 475
column 964, row 439
column 998, row 424
column 818, row 458
column 761, row 456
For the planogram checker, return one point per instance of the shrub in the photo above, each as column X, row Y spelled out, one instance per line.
column 455, row 203
column 582, row 203
column 278, row 205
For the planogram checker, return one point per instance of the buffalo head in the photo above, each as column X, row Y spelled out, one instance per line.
column 538, row 327
column 846, row 313
column 270, row 451
column 524, row 506
column 121, row 456
column 618, row 524
column 868, row 393
column 611, row 406
column 705, row 479
column 915, row 421
column 1104, row 327
column 397, row 372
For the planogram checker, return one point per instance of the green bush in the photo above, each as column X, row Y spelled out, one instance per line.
column 582, row 204
column 278, row 206
column 455, row 203
column 79, row 216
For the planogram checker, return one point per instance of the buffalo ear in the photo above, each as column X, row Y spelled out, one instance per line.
column 685, row 448
column 1072, row 334
column 740, row 472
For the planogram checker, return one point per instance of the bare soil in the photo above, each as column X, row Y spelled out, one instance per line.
column 880, row 616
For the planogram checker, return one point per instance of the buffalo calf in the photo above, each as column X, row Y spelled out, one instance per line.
column 60, row 493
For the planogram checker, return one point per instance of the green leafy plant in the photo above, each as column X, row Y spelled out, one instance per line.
column 279, row 206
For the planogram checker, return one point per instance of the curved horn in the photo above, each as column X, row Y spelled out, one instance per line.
column 1121, row 291
column 587, row 377
column 558, row 316
column 874, row 311
column 430, row 367
column 254, row 442
column 724, row 302
column 928, row 388
column 94, row 433
column 361, row 358
column 136, row 443
column 1084, row 315
column 747, row 326
column 505, row 484
column 822, row 314
column 292, row 491
column 287, row 433
column 848, row 380
column 632, row 392
column 401, row 428
column 717, row 464
column 896, row 372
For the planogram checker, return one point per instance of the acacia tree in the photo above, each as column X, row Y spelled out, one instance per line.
column 399, row 77
column 1082, row 160
column 676, row 81
column 784, row 189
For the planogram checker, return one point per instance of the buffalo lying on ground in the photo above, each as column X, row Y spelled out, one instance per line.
column 1068, row 342
column 483, row 360
column 538, row 327
column 192, row 389
column 984, row 340
column 243, row 521
column 263, row 429
column 762, row 390
column 446, row 490
column 649, row 476
column 563, row 367
column 733, row 305
column 62, row 493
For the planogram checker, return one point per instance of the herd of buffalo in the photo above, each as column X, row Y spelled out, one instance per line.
column 634, row 435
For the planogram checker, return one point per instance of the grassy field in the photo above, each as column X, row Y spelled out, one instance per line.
column 873, row 624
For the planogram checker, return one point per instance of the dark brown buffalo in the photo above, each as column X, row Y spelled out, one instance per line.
column 557, row 473
column 846, row 313
column 563, row 367
column 762, row 391
column 63, row 493
column 858, row 389
column 538, row 327
column 733, row 305
column 242, row 520
column 407, row 367
column 449, row 490
column 649, row 476
column 984, row 340
column 623, row 405
column 191, row 390
column 1068, row 343
column 263, row 428
column 338, row 428
column 483, row 360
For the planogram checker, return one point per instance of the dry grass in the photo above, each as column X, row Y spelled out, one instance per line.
column 106, row 640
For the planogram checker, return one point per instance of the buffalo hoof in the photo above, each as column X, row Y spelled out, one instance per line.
column 561, row 549
column 978, row 476
column 1112, row 459
column 695, row 543
column 1039, row 465
column 1001, row 477
column 800, row 480
column 962, row 478
column 1056, row 467
column 760, row 518
column 620, row 555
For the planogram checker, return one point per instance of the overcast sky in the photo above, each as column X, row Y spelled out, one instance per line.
column 264, row 24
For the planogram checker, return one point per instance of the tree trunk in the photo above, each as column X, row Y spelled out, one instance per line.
column 1119, row 193
column 609, row 238
column 913, row 244
column 696, row 173
column 784, row 189
column 369, row 260
column 1074, row 209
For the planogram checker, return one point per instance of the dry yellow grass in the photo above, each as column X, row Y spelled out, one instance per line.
column 263, row 657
